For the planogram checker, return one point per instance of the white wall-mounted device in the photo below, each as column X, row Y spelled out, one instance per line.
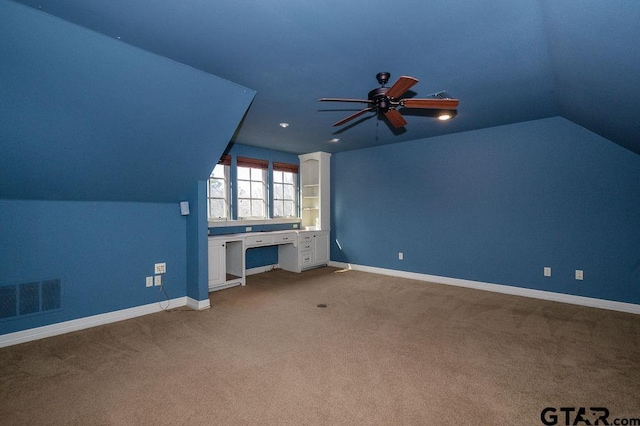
column 184, row 208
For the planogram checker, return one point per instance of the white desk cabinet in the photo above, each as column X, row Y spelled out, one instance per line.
column 217, row 261
column 227, row 255
column 321, row 248
column 312, row 251
column 226, row 262
column 297, row 251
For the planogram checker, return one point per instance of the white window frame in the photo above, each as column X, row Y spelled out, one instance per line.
column 283, row 200
column 233, row 169
column 226, row 193
column 252, row 182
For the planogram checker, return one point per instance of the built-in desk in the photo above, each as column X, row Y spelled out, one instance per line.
column 297, row 250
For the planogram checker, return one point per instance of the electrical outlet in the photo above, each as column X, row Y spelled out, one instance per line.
column 157, row 280
column 149, row 282
column 547, row 271
column 400, row 256
column 295, row 225
column 579, row 274
column 247, row 229
column 160, row 268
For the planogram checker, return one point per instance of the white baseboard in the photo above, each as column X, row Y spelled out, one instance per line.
column 124, row 314
column 499, row 288
column 96, row 320
column 261, row 269
column 198, row 305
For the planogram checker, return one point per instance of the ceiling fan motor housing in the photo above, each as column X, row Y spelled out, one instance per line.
column 379, row 98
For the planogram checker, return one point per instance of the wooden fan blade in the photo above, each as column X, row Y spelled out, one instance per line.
column 360, row 101
column 395, row 118
column 430, row 103
column 403, row 84
column 352, row 116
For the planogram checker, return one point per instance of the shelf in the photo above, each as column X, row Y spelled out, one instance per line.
column 314, row 190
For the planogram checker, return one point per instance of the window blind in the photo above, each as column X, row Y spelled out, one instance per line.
column 285, row 167
column 225, row 160
column 252, row 162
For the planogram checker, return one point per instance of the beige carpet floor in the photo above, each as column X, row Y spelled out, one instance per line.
column 385, row 351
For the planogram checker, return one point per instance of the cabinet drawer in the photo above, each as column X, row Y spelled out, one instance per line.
column 306, row 238
column 259, row 240
column 284, row 238
column 306, row 259
column 306, row 245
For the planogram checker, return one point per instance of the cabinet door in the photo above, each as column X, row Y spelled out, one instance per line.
column 321, row 251
column 217, row 263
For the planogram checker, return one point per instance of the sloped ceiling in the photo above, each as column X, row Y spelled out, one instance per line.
column 506, row 61
column 85, row 117
column 595, row 55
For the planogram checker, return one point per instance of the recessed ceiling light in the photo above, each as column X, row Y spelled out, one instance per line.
column 284, row 125
column 444, row 117
column 334, row 140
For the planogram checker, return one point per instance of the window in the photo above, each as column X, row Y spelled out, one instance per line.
column 252, row 188
column 246, row 189
column 285, row 190
column 218, row 190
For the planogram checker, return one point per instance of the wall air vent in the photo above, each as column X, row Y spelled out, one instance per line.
column 30, row 298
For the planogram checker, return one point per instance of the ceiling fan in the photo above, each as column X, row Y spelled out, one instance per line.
column 385, row 100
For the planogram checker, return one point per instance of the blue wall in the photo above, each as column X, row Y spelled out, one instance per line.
column 101, row 252
column 197, row 247
column 103, row 127
column 496, row 205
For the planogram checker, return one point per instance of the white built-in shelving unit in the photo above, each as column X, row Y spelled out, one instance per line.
column 315, row 191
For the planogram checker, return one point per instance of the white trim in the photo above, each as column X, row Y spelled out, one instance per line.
column 252, row 222
column 124, row 314
column 198, row 305
column 261, row 269
column 226, row 285
column 94, row 320
column 499, row 288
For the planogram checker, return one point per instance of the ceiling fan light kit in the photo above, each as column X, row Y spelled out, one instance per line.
column 385, row 100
